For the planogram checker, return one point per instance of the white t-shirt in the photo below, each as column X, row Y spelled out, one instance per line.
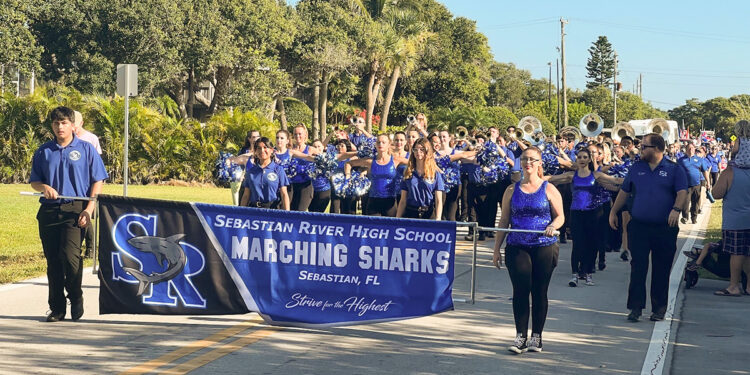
column 90, row 138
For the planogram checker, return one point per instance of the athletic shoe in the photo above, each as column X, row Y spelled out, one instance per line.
column 683, row 220
column 56, row 316
column 635, row 315
column 656, row 317
column 574, row 281
column 519, row 344
column 589, row 280
column 624, row 256
column 695, row 220
column 535, row 343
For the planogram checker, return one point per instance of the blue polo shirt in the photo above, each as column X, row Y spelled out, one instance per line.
column 421, row 192
column 71, row 170
column 571, row 154
column 714, row 161
column 654, row 192
column 264, row 183
column 693, row 167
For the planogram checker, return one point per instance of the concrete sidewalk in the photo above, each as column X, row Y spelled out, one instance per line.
column 586, row 333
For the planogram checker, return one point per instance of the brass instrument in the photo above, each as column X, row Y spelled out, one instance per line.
column 528, row 126
column 591, row 125
column 658, row 126
column 411, row 119
column 569, row 132
column 536, row 139
column 621, row 130
column 461, row 133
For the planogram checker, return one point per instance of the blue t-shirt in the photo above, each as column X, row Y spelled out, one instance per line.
column 264, row 183
column 654, row 192
column 421, row 192
column 693, row 167
column 70, row 170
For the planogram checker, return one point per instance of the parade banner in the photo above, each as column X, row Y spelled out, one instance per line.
column 293, row 268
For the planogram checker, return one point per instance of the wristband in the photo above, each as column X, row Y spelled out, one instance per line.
column 678, row 210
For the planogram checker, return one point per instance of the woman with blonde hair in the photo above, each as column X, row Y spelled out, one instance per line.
column 421, row 188
column 531, row 204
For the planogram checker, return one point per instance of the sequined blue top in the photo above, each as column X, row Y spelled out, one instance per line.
column 602, row 195
column 383, row 179
column 301, row 177
column 584, row 192
column 530, row 211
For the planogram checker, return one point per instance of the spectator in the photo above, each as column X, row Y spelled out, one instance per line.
column 734, row 187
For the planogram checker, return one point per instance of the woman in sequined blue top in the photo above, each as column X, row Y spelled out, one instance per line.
column 586, row 212
column 533, row 204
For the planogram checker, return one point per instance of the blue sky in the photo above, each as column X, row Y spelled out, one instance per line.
column 685, row 49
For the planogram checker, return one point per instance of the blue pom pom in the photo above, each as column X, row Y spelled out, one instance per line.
column 325, row 165
column 366, row 148
column 340, row 184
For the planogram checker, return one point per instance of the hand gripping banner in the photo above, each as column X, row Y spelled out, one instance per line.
column 294, row 268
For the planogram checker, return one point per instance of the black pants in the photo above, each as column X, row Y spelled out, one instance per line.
column 341, row 205
column 587, row 239
column 450, row 206
column 300, row 196
column 615, row 235
column 320, row 201
column 603, row 230
column 479, row 204
column 61, row 240
column 382, row 207
column 464, row 206
column 691, row 203
column 494, row 197
column 567, row 199
column 418, row 212
column 660, row 242
column 714, row 176
column 530, row 270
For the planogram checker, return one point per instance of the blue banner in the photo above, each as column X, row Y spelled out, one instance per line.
column 310, row 269
column 294, row 268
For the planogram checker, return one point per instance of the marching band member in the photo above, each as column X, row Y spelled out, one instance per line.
column 383, row 172
column 533, row 204
column 422, row 184
column 301, row 192
column 585, row 212
column 265, row 180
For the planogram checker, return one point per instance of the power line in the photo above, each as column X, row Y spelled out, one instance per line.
column 691, row 34
column 522, row 23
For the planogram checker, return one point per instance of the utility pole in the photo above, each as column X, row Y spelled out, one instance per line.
column 557, row 68
column 562, row 61
column 614, row 94
column 549, row 90
column 640, row 86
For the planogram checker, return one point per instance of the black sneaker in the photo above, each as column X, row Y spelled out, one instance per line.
column 519, row 345
column 602, row 266
column 56, row 316
column 76, row 310
column 694, row 220
column 535, row 343
column 657, row 317
column 624, row 256
column 634, row 315
column 683, row 220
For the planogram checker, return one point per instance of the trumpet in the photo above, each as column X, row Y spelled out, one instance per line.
column 411, row 119
column 621, row 130
column 591, row 125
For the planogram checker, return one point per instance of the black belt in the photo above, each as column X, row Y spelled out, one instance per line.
column 419, row 208
column 260, row 204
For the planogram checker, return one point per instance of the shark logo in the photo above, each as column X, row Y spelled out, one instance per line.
column 162, row 267
column 164, row 249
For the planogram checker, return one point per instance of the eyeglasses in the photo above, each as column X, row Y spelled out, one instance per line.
column 529, row 160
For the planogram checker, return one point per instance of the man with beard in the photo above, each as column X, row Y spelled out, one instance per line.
column 659, row 189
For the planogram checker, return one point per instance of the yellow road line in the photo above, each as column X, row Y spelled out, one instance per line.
column 221, row 351
column 191, row 348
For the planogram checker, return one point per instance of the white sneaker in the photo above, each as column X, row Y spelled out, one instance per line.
column 574, row 281
column 535, row 343
column 519, row 345
column 589, row 280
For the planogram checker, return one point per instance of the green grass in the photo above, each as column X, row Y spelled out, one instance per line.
column 20, row 248
column 713, row 234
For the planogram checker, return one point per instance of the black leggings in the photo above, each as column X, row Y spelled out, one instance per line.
column 530, row 270
column 341, row 205
column 450, row 206
column 300, row 196
column 382, row 207
column 587, row 238
column 320, row 201
column 714, row 177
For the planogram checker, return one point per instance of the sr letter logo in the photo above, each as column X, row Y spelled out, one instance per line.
column 161, row 264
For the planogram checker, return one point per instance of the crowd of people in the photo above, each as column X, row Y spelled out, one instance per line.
column 627, row 194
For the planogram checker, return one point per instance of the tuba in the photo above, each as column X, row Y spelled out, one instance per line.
column 621, row 130
column 569, row 132
column 591, row 125
column 536, row 139
column 658, row 126
column 528, row 126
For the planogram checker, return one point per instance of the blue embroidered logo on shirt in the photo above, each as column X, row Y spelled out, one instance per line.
column 74, row 155
column 272, row 176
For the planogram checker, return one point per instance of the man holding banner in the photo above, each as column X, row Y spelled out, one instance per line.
column 65, row 166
